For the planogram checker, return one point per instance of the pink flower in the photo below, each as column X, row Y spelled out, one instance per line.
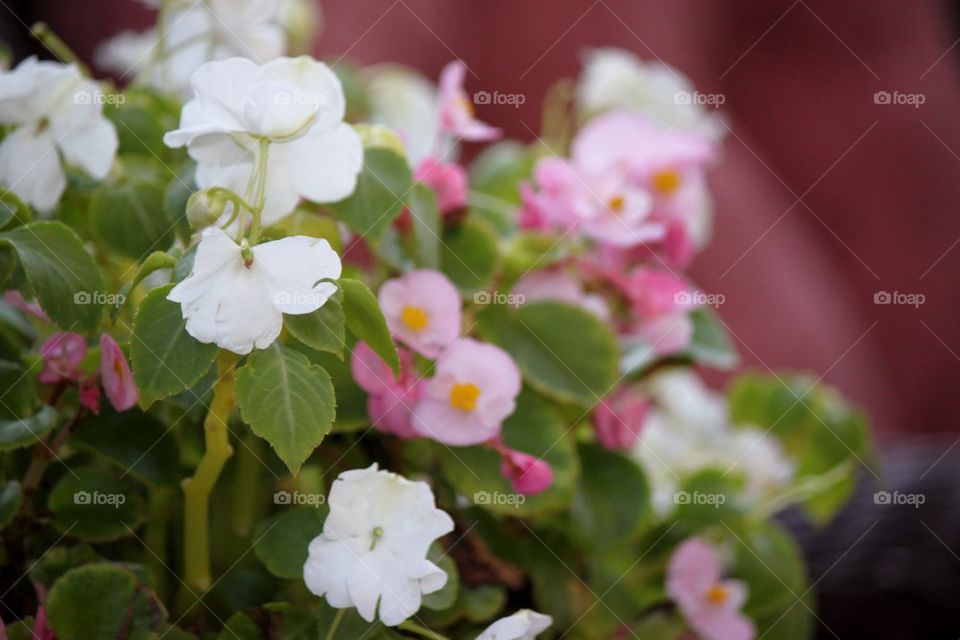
column 16, row 300
column 422, row 309
column 528, row 475
column 661, row 302
column 447, row 179
column 90, row 395
column 557, row 284
column 115, row 375
column 619, row 419
column 62, row 354
column 456, row 108
column 473, row 390
column 391, row 398
column 711, row 605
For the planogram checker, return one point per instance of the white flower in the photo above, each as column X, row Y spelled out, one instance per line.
column 523, row 625
column 406, row 102
column 373, row 549
column 194, row 33
column 53, row 111
column 296, row 104
column 238, row 302
column 689, row 430
column 617, row 79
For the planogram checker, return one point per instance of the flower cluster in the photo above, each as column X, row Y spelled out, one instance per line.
column 265, row 256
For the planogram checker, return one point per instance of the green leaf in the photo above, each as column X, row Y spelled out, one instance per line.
column 494, row 177
column 768, row 560
column 19, row 397
column 445, row 597
column 469, row 255
column 130, row 217
column 707, row 497
column 322, row 329
column 711, row 344
column 422, row 204
column 287, row 401
column 282, row 540
column 534, row 428
column 366, row 321
column 141, row 121
column 10, row 497
column 164, row 357
column 381, row 190
column 26, row 432
column 60, row 272
column 103, row 602
column 817, row 428
column 92, row 505
column 135, row 441
column 13, row 210
column 562, row 350
column 611, row 501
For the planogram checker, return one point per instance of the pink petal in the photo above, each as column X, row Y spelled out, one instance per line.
column 115, row 375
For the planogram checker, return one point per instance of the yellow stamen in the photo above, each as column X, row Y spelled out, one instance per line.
column 466, row 105
column 616, row 203
column 717, row 594
column 666, row 182
column 464, row 396
column 415, row 318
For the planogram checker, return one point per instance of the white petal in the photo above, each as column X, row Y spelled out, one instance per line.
column 325, row 164
column 92, row 147
column 30, row 167
column 318, row 83
column 327, row 567
column 292, row 267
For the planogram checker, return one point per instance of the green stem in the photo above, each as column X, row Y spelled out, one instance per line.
column 422, row 631
column 336, row 624
column 42, row 32
column 246, row 485
column 196, row 490
column 261, row 188
column 155, row 533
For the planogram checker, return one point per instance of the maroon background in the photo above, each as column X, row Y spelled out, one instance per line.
column 879, row 182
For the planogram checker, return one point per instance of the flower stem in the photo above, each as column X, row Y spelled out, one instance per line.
column 42, row 32
column 260, row 189
column 332, row 631
column 421, row 631
column 196, row 490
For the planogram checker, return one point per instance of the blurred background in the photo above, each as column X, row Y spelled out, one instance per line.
column 826, row 199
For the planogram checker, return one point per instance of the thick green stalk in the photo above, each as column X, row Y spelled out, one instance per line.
column 196, row 490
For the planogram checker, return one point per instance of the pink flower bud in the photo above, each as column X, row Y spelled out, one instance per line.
column 527, row 474
column 62, row 354
column 619, row 419
column 447, row 179
column 115, row 374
